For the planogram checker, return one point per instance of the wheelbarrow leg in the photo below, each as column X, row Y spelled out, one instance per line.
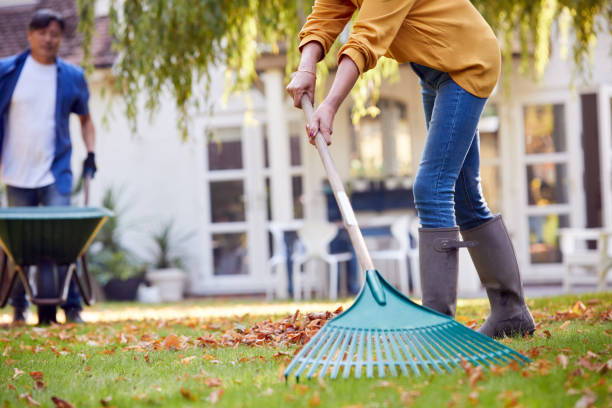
column 8, row 278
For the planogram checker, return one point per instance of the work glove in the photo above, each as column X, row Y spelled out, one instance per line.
column 89, row 165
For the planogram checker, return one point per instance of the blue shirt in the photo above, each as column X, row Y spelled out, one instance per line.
column 72, row 97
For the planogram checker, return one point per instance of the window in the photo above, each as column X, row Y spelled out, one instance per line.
column 381, row 146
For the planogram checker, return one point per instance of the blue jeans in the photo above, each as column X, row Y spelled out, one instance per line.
column 447, row 190
column 47, row 196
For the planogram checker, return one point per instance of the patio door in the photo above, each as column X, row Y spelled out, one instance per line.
column 605, row 146
column 236, row 244
column 550, row 179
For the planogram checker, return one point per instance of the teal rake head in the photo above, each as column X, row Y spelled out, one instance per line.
column 385, row 332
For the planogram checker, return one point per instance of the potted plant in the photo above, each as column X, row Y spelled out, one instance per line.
column 166, row 271
column 113, row 266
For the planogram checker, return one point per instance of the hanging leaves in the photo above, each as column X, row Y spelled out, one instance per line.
column 168, row 48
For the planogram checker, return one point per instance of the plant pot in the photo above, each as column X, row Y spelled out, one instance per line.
column 122, row 289
column 171, row 283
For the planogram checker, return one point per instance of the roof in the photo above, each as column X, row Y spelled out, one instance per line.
column 14, row 25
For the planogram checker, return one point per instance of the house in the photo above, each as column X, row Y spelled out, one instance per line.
column 546, row 161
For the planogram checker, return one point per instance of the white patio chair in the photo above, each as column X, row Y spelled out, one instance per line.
column 314, row 240
column 277, row 285
column 404, row 252
column 578, row 256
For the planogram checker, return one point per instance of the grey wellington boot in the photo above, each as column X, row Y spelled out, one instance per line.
column 439, row 267
column 498, row 270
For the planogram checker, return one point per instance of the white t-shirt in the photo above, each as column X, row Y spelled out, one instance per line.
column 29, row 142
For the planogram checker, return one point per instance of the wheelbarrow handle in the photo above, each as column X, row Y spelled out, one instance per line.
column 86, row 181
column 348, row 215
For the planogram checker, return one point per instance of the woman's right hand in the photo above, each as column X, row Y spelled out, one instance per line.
column 302, row 82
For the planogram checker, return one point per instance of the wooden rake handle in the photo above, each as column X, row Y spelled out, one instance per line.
column 348, row 216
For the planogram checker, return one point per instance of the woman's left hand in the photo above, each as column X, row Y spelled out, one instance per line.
column 322, row 121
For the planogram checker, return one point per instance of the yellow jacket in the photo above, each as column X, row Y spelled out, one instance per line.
column 447, row 35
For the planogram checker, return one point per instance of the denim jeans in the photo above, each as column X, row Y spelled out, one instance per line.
column 447, row 189
column 47, row 196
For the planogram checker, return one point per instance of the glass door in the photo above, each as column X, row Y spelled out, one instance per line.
column 550, row 180
column 235, row 212
column 605, row 134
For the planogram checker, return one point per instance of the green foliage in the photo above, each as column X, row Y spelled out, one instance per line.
column 109, row 258
column 168, row 47
column 166, row 253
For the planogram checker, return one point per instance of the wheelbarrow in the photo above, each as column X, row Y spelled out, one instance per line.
column 58, row 236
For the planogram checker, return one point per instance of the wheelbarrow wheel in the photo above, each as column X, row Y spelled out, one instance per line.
column 46, row 315
column 47, row 287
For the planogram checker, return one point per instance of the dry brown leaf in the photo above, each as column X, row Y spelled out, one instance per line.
column 106, row 402
column 473, row 397
column 36, row 375
column 171, row 342
column 315, row 400
column 510, row 398
column 213, row 382
column 564, row 325
column 408, row 397
column 39, row 385
column 187, row 360
column 216, row 395
column 187, row 394
column 301, row 388
column 60, row 403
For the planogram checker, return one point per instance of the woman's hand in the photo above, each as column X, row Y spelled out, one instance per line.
column 302, row 82
column 322, row 121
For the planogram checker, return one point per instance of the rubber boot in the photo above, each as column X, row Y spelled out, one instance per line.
column 19, row 316
column 439, row 268
column 498, row 270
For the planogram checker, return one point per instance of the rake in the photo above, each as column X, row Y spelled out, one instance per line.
column 383, row 331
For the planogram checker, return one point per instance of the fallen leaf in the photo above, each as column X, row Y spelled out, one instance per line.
column 188, row 394
column 187, row 360
column 473, row 397
column 17, row 373
column 212, row 382
column 29, row 400
column 105, row 402
column 216, row 395
column 510, row 398
column 587, row 400
column 39, row 385
column 60, row 403
column 315, row 400
column 564, row 325
column 562, row 359
column 408, row 397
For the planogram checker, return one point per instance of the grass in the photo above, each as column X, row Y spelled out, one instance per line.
column 101, row 364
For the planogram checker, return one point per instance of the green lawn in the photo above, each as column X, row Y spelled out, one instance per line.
column 194, row 354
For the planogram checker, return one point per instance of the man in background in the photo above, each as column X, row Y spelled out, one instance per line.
column 38, row 92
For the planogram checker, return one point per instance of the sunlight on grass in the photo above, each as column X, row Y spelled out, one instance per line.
column 112, row 312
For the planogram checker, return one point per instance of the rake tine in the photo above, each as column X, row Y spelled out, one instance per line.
column 433, row 343
column 416, row 352
column 391, row 362
column 359, row 363
column 496, row 355
column 320, row 353
column 409, row 357
column 436, row 357
column 400, row 358
column 442, row 342
column 338, row 362
column 302, row 355
column 466, row 346
column 509, row 352
column 332, row 351
column 453, row 342
column 369, row 359
column 428, row 357
column 380, row 362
